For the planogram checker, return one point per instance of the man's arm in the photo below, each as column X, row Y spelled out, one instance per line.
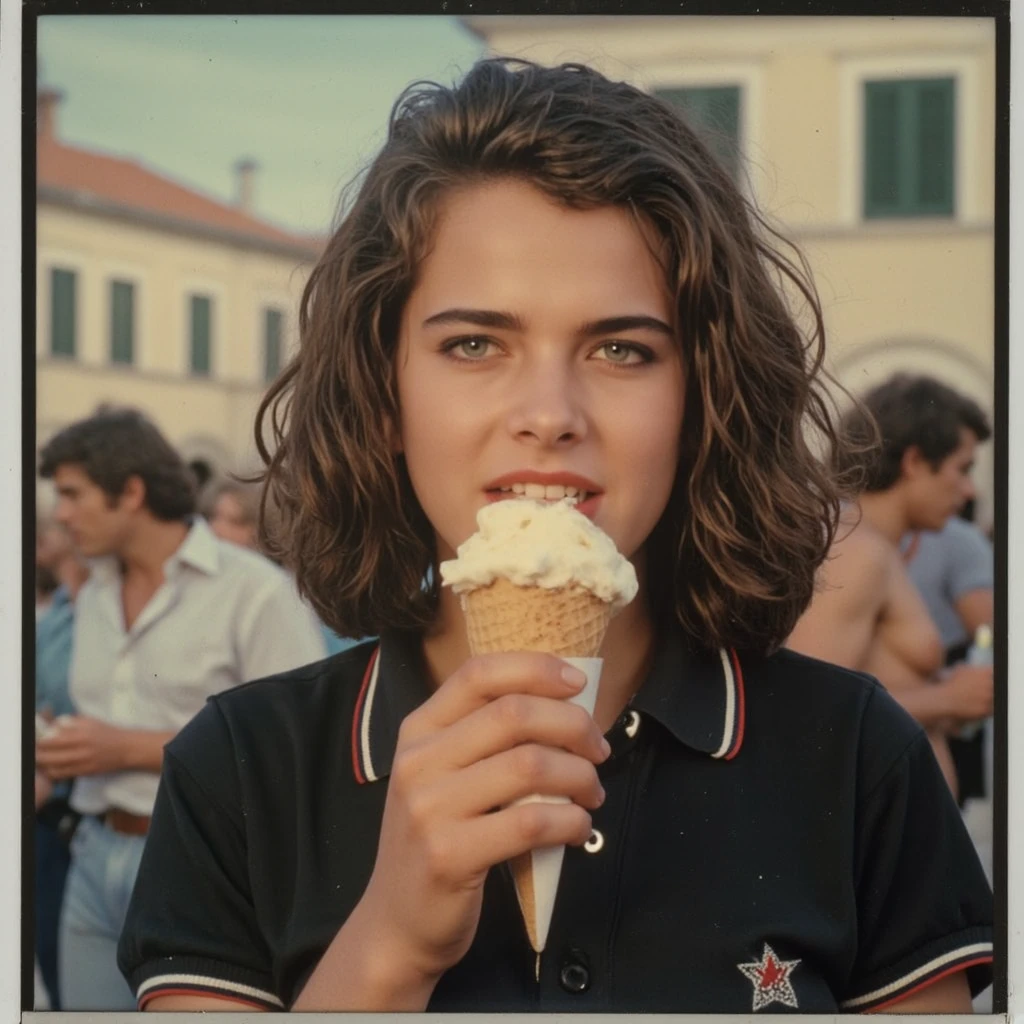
column 975, row 608
column 840, row 623
column 79, row 745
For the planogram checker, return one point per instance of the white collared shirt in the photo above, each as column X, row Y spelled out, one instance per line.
column 223, row 616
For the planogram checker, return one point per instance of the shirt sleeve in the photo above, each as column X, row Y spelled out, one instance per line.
column 191, row 926
column 278, row 632
column 924, row 905
column 970, row 562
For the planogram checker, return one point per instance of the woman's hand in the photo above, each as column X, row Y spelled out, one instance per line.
column 499, row 729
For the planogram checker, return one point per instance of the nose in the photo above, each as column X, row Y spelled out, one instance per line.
column 546, row 409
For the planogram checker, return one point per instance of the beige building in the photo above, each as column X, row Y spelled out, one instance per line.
column 153, row 295
column 870, row 141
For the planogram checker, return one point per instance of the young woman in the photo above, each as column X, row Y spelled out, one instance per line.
column 546, row 278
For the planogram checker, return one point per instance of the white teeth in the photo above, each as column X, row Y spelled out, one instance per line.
column 550, row 492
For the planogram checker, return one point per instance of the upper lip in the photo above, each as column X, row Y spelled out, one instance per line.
column 533, row 476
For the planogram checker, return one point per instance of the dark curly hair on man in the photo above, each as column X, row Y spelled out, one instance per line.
column 907, row 411
column 753, row 511
column 115, row 444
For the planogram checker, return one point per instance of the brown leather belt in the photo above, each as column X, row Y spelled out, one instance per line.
column 126, row 823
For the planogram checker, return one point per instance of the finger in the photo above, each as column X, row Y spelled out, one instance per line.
column 487, row 677
column 520, row 772
column 492, row 838
column 518, row 718
column 59, row 759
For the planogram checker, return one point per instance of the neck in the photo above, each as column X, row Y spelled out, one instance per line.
column 72, row 573
column 149, row 547
column 884, row 511
column 627, row 650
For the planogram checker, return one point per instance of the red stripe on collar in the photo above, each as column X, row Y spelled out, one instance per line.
column 357, row 762
column 741, row 708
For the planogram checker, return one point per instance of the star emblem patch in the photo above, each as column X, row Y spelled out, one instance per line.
column 770, row 977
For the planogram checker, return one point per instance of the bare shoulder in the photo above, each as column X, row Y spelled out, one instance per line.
column 859, row 553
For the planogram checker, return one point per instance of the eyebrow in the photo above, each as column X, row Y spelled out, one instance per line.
column 510, row 322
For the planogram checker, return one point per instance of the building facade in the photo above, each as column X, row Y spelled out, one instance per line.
column 153, row 295
column 869, row 141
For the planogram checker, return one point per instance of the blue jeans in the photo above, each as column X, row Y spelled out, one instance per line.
column 103, row 869
column 52, row 861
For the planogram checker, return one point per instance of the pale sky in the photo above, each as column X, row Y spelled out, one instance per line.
column 306, row 97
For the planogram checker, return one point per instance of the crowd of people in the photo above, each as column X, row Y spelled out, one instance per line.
column 146, row 608
column 226, row 816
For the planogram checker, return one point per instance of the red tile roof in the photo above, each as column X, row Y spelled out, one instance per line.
column 127, row 184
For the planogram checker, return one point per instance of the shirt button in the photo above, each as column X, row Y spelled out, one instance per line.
column 575, row 975
column 632, row 724
column 595, row 843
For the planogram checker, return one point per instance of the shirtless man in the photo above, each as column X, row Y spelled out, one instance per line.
column 867, row 614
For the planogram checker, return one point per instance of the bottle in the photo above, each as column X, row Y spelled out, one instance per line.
column 980, row 653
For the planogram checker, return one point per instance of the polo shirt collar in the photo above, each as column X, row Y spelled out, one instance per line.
column 697, row 694
column 394, row 684
column 199, row 550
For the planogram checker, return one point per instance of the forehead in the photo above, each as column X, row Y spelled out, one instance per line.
column 69, row 475
column 506, row 243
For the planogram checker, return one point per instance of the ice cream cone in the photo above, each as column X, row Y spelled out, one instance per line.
column 570, row 622
column 567, row 621
column 540, row 577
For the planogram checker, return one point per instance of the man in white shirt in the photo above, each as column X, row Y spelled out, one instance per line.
column 169, row 616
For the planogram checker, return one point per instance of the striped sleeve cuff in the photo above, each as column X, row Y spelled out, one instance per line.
column 969, row 951
column 194, row 977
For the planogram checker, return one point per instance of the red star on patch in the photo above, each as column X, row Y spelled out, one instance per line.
column 770, row 976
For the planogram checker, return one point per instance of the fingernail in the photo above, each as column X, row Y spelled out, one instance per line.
column 574, row 677
column 606, row 747
column 601, row 797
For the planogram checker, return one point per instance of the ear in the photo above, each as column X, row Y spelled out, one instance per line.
column 133, row 497
column 914, row 465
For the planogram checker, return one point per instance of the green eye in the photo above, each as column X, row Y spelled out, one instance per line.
column 624, row 353
column 469, row 349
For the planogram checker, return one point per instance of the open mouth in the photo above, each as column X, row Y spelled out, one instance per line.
column 543, row 492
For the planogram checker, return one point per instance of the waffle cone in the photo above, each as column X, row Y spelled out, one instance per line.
column 522, row 875
column 568, row 621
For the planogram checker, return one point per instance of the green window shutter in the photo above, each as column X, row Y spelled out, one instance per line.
column 714, row 112
column 909, row 148
column 122, row 322
column 62, row 312
column 199, row 357
column 273, row 320
column 881, row 149
column 936, row 128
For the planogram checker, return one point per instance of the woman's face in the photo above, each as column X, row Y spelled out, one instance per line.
column 537, row 347
column 229, row 522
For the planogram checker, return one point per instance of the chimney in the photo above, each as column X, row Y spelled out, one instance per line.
column 245, row 172
column 47, row 102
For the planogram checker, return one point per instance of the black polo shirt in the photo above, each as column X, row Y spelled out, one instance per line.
column 776, row 836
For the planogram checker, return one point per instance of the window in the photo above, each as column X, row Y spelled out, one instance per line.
column 714, row 112
column 273, row 320
column 909, row 148
column 200, row 339
column 122, row 322
column 62, row 312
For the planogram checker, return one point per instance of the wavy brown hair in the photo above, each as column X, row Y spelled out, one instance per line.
column 753, row 511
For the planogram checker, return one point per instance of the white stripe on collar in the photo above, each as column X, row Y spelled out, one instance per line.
column 364, row 729
column 730, row 703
